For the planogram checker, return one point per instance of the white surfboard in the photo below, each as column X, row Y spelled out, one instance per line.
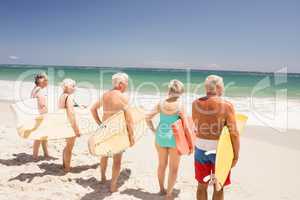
column 112, row 137
column 51, row 126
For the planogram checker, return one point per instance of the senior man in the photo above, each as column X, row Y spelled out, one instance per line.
column 210, row 114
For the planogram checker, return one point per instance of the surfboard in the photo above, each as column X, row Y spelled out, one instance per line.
column 112, row 136
column 51, row 126
column 184, row 135
column 225, row 155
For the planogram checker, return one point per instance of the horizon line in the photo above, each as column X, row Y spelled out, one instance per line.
column 192, row 68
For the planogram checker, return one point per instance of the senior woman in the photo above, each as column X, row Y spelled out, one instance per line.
column 41, row 82
column 170, row 110
column 66, row 101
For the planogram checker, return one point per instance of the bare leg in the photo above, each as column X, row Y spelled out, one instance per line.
column 202, row 192
column 162, row 165
column 103, row 167
column 67, row 154
column 36, row 146
column 218, row 195
column 173, row 170
column 45, row 149
column 117, row 159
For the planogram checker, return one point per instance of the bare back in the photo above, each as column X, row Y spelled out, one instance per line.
column 41, row 99
column 113, row 101
column 210, row 115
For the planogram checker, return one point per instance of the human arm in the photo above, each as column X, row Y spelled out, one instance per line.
column 182, row 113
column 42, row 103
column 128, row 118
column 195, row 109
column 234, row 134
column 94, row 111
column 71, row 115
column 129, row 126
column 150, row 116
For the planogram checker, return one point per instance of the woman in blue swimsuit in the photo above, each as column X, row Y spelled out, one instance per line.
column 170, row 110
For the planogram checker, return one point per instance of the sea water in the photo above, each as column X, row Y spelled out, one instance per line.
column 269, row 99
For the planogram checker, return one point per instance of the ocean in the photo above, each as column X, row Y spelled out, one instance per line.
column 269, row 99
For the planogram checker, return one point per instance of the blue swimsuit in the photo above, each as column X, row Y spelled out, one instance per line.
column 164, row 133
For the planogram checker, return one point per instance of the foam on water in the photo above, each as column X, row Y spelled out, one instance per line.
column 280, row 114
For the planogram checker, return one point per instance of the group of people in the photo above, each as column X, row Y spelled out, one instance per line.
column 209, row 113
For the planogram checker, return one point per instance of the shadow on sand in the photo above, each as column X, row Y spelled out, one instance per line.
column 101, row 190
column 140, row 194
column 21, row 159
column 51, row 169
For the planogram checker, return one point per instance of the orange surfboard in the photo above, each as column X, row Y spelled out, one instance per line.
column 184, row 135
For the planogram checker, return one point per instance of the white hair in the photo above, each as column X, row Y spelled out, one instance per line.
column 68, row 83
column 119, row 78
column 176, row 87
column 211, row 83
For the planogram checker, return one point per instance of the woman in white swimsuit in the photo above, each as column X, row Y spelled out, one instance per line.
column 41, row 82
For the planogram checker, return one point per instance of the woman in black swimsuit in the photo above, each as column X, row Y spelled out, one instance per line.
column 66, row 101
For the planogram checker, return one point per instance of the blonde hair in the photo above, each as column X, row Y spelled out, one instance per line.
column 119, row 78
column 176, row 88
column 67, row 83
column 211, row 83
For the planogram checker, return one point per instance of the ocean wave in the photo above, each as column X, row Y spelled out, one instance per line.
column 263, row 111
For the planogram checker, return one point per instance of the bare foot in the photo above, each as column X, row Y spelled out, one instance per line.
column 113, row 187
column 162, row 192
column 35, row 158
column 66, row 169
column 169, row 197
column 103, row 179
column 47, row 157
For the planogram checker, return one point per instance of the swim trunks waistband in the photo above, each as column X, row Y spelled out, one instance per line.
column 206, row 145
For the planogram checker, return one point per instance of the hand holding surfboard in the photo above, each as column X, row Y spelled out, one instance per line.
column 112, row 137
column 225, row 155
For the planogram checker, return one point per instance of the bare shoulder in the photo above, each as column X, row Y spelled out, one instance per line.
column 195, row 102
column 105, row 94
column 229, row 105
column 123, row 98
column 70, row 97
column 35, row 92
column 199, row 102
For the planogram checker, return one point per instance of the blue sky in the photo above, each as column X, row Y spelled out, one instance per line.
column 230, row 35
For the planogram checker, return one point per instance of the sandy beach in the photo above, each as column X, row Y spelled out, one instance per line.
column 267, row 169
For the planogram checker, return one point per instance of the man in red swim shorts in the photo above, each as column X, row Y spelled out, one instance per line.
column 210, row 114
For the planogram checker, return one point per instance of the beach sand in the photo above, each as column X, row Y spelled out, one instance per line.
column 268, row 169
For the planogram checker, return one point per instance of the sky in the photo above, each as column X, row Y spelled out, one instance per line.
column 256, row 35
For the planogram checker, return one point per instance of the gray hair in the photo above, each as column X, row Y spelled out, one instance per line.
column 119, row 78
column 211, row 83
column 67, row 83
column 176, row 88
